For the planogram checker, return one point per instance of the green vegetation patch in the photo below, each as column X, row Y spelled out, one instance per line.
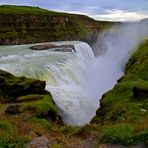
column 119, row 133
column 43, row 123
column 31, row 97
column 9, row 136
column 44, row 107
column 71, row 130
column 40, row 125
column 12, row 9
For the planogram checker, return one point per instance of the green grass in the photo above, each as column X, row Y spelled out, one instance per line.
column 9, row 136
column 40, row 125
column 71, row 130
column 123, row 134
column 119, row 133
column 12, row 9
column 43, row 107
column 29, row 98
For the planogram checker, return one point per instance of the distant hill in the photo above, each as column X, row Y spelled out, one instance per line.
column 145, row 20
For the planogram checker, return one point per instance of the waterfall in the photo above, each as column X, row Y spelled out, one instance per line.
column 77, row 80
column 66, row 75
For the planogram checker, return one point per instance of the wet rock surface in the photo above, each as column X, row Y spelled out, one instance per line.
column 13, row 109
column 58, row 48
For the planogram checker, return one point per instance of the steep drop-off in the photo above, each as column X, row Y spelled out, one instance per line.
column 23, row 24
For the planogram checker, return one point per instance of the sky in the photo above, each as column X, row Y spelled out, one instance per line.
column 109, row 10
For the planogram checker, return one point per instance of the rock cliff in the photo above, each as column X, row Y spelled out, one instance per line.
column 23, row 24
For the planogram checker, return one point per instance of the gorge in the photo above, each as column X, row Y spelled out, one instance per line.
column 78, row 79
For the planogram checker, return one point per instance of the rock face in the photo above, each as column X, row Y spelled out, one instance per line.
column 12, row 87
column 60, row 48
column 13, row 109
column 140, row 90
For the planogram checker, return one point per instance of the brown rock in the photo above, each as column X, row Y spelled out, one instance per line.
column 59, row 48
column 13, row 109
column 38, row 142
column 43, row 47
column 140, row 93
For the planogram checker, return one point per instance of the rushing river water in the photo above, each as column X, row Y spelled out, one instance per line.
column 66, row 75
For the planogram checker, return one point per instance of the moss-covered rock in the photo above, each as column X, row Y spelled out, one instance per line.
column 12, row 87
column 27, row 98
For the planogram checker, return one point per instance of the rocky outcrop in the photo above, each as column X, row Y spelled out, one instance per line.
column 38, row 142
column 12, row 87
column 140, row 90
column 13, row 109
column 22, row 94
column 60, row 48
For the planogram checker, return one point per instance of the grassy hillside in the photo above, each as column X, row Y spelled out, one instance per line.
column 23, row 24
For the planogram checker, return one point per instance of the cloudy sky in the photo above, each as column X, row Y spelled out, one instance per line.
column 111, row 10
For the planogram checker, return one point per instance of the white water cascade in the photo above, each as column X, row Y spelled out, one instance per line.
column 65, row 73
column 78, row 79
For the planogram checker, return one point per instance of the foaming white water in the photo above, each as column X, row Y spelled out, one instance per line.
column 65, row 74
